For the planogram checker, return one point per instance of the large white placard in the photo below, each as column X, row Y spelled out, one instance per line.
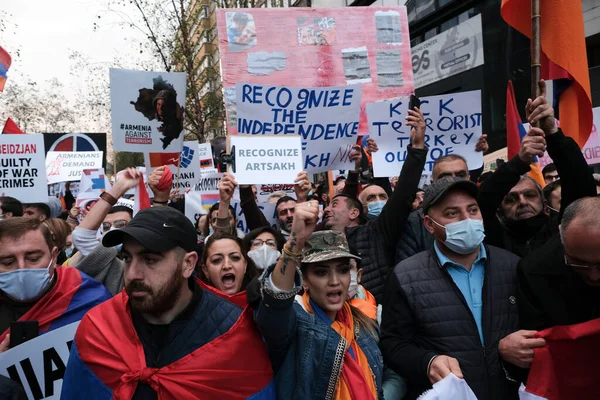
column 451, row 52
column 46, row 356
column 188, row 173
column 277, row 157
column 22, row 168
column 67, row 166
column 453, row 127
column 147, row 110
column 326, row 118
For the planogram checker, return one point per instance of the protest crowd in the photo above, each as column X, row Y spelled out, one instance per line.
column 364, row 285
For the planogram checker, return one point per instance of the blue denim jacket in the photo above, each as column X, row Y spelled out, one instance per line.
column 306, row 353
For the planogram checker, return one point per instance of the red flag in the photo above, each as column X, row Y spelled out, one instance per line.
column 141, row 199
column 563, row 43
column 160, row 159
column 567, row 367
column 514, row 126
column 515, row 132
column 11, row 128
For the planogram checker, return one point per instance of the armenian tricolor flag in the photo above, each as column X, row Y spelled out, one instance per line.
column 564, row 58
column 208, row 200
column 5, row 62
column 515, row 132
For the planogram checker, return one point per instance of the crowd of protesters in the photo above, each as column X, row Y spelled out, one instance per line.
column 378, row 291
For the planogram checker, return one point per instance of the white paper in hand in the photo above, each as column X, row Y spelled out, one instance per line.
column 449, row 388
column 525, row 395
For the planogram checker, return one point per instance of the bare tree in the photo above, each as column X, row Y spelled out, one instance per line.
column 168, row 26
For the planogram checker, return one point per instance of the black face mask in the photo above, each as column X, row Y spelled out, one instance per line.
column 526, row 228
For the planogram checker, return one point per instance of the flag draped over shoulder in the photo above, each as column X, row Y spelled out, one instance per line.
column 515, row 132
column 564, row 56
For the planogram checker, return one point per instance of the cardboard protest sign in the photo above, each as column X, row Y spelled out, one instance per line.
column 147, row 110
column 278, row 157
column 22, row 170
column 40, row 364
column 205, row 156
column 453, row 127
column 591, row 150
column 325, row 118
column 265, row 190
column 193, row 206
column 93, row 180
column 67, row 166
column 268, row 209
column 188, row 162
column 76, row 142
column 208, row 183
column 316, row 47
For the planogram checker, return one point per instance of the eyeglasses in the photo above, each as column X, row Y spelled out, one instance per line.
column 259, row 242
column 118, row 224
column 581, row 268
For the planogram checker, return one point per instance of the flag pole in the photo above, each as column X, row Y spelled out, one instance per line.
column 536, row 49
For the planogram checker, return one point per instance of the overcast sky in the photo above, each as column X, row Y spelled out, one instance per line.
column 46, row 31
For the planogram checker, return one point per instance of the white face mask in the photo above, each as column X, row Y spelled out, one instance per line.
column 26, row 284
column 264, row 256
column 353, row 288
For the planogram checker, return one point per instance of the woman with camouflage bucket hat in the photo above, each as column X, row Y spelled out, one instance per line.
column 323, row 348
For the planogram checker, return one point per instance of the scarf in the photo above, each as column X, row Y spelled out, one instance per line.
column 232, row 366
column 368, row 304
column 357, row 381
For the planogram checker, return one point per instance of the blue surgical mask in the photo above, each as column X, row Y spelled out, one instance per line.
column 69, row 251
column 26, row 284
column 374, row 209
column 464, row 237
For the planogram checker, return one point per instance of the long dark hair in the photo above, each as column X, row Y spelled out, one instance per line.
column 247, row 242
column 251, row 270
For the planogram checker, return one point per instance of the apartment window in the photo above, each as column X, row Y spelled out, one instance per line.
column 430, row 33
column 416, row 40
column 204, row 11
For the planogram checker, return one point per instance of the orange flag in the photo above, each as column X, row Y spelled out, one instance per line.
column 563, row 43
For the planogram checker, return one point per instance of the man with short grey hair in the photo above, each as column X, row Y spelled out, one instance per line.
column 559, row 284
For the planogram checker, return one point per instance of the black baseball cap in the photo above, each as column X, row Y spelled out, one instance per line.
column 438, row 189
column 158, row 229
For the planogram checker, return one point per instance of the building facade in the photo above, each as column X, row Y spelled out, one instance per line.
column 202, row 18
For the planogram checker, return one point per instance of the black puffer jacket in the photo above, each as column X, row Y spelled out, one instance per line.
column 376, row 240
column 415, row 238
column 425, row 314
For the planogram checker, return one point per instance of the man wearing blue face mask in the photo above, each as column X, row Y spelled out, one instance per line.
column 32, row 287
column 452, row 309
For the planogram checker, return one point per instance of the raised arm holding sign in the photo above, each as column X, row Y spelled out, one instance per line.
column 453, row 126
